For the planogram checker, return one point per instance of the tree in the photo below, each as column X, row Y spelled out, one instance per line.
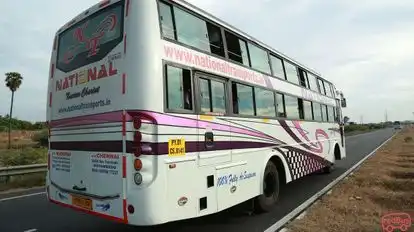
column 346, row 119
column 13, row 82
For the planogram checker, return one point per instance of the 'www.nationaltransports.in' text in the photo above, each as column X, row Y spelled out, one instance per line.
column 82, row 106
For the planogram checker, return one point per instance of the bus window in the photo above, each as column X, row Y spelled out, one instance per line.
column 191, row 30
column 179, row 94
column 291, row 73
column 303, row 78
column 321, row 87
column 265, row 102
column 213, row 96
column 328, row 90
column 243, row 99
column 167, row 23
column 258, row 58
column 324, row 113
column 300, row 108
column 307, row 108
column 317, row 112
column 313, row 84
column 280, row 105
column 292, row 107
column 198, row 33
column 76, row 44
column 237, row 49
column 331, row 114
column 277, row 67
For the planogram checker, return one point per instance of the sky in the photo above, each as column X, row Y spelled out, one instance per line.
column 366, row 48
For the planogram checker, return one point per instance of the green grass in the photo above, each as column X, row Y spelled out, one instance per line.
column 22, row 181
column 23, row 156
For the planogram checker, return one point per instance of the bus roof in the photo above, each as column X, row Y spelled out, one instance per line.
column 235, row 30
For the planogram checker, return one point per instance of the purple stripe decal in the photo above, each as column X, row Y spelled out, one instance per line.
column 109, row 117
column 194, row 146
column 163, row 119
column 298, row 140
column 153, row 148
column 170, row 120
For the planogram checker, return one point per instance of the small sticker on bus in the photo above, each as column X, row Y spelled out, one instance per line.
column 176, row 147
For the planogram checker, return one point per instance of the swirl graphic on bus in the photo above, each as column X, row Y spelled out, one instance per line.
column 91, row 44
column 319, row 133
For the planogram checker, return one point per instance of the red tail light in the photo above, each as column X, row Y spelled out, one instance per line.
column 137, row 123
column 137, row 137
column 137, row 164
column 131, row 209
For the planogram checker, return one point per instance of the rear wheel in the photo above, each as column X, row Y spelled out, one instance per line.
column 329, row 169
column 271, row 187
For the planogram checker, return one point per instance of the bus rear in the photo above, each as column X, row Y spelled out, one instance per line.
column 85, row 110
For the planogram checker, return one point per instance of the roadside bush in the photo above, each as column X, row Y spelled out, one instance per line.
column 23, row 156
column 408, row 139
column 17, row 124
column 356, row 127
column 41, row 138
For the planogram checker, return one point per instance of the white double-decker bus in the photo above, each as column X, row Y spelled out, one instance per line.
column 159, row 111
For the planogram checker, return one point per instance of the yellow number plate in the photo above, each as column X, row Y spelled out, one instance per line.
column 176, row 147
column 81, row 202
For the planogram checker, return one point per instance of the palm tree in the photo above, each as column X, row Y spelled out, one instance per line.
column 13, row 82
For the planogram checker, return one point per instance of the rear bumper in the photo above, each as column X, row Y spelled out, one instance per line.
column 108, row 217
column 53, row 198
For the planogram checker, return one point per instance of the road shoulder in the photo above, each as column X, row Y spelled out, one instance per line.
column 382, row 185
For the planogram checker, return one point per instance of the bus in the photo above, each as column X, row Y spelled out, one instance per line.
column 159, row 112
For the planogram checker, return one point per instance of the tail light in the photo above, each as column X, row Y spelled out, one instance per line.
column 131, row 209
column 137, row 164
column 137, row 143
column 137, row 123
column 138, row 178
column 137, row 137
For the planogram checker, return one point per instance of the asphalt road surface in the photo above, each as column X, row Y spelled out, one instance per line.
column 35, row 213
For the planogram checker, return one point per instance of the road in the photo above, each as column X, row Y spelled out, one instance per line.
column 34, row 212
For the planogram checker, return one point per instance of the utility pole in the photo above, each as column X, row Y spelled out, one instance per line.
column 386, row 116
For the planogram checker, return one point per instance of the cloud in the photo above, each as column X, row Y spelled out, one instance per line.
column 364, row 48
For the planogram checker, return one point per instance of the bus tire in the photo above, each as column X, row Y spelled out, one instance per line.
column 271, row 187
column 331, row 166
column 328, row 169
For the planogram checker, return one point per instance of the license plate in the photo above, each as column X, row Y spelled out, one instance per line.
column 82, row 202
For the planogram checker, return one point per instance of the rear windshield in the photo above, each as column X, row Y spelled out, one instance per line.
column 90, row 39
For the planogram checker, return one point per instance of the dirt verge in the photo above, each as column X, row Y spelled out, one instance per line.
column 383, row 184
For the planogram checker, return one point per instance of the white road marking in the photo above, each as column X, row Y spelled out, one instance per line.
column 31, row 230
column 22, row 196
column 292, row 215
column 302, row 215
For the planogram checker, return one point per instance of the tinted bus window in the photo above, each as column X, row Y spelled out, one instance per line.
column 91, row 39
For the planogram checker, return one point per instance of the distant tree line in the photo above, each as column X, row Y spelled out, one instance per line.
column 17, row 124
column 364, row 127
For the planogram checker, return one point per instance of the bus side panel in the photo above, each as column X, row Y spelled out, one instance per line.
column 236, row 183
column 182, row 200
